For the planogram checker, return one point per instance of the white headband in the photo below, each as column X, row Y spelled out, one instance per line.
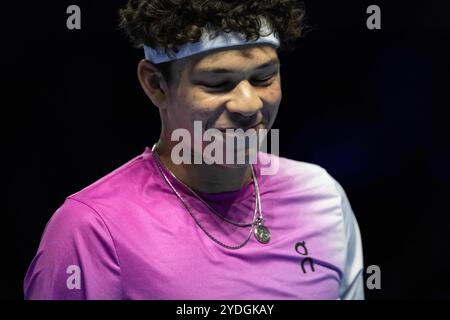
column 207, row 42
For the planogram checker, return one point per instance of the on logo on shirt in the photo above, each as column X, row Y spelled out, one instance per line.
column 300, row 247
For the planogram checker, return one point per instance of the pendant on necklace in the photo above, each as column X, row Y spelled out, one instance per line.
column 262, row 234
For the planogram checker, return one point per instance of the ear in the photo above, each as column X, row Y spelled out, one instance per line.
column 153, row 83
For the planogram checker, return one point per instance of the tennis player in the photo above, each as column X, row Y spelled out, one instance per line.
column 161, row 228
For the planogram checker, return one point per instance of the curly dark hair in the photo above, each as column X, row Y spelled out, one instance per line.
column 170, row 23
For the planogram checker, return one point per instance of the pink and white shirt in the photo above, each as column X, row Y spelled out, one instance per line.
column 128, row 236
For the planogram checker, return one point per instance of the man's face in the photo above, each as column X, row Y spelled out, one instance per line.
column 233, row 88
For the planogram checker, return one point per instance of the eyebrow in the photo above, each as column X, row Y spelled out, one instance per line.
column 271, row 62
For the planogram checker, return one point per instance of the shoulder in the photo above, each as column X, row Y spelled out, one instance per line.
column 311, row 187
column 120, row 177
column 112, row 193
column 84, row 211
column 72, row 222
column 75, row 241
column 298, row 175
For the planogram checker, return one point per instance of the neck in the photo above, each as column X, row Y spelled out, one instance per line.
column 205, row 177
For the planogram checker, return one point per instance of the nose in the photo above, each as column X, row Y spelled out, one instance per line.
column 244, row 100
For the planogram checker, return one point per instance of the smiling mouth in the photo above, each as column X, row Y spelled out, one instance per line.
column 245, row 129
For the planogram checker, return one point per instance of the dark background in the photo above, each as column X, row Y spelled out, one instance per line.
column 370, row 106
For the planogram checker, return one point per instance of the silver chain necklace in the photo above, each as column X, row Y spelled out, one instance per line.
column 261, row 232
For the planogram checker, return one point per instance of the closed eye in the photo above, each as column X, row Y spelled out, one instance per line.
column 214, row 85
column 265, row 80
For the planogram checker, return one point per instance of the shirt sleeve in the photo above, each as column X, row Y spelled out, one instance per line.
column 76, row 258
column 352, row 283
